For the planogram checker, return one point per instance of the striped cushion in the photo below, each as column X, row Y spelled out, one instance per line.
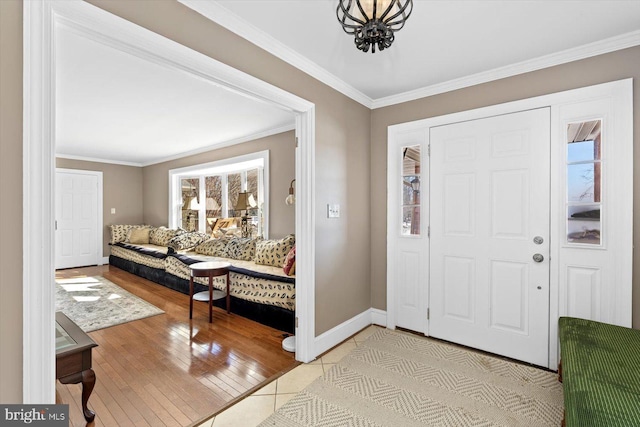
column 600, row 373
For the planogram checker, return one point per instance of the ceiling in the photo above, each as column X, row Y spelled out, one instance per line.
column 442, row 41
column 115, row 107
column 112, row 106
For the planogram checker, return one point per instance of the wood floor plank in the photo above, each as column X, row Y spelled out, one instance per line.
column 103, row 414
column 168, row 370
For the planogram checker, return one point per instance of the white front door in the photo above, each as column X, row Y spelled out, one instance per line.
column 489, row 217
column 76, row 219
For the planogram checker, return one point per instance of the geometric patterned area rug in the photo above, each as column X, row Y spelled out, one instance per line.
column 398, row 379
column 95, row 303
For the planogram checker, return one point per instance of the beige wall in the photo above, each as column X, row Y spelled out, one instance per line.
column 613, row 66
column 281, row 170
column 11, row 201
column 140, row 194
column 342, row 151
column 350, row 158
column 121, row 189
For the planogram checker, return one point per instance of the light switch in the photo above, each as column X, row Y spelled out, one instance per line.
column 333, row 211
column 113, row 210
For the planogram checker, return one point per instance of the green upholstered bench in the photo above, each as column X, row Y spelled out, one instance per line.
column 600, row 373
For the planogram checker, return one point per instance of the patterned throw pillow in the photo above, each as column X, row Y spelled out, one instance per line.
column 138, row 236
column 289, row 266
column 213, row 247
column 187, row 240
column 119, row 232
column 161, row 235
column 274, row 252
column 241, row 248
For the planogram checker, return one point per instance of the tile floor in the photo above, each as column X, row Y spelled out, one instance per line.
column 256, row 407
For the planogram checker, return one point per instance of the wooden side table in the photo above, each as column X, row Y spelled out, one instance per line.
column 73, row 359
column 208, row 269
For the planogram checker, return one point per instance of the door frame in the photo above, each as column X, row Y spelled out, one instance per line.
column 620, row 95
column 40, row 20
column 99, row 209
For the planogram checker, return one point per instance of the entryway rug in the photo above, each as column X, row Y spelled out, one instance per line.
column 398, row 379
column 95, row 303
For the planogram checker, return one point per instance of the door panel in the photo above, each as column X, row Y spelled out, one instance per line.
column 489, row 199
column 509, row 204
column 508, row 283
column 459, row 287
column 584, row 286
column 76, row 219
column 459, row 204
column 408, row 186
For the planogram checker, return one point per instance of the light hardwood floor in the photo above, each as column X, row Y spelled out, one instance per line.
column 166, row 370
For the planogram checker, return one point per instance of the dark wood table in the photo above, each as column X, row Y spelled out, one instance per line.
column 73, row 359
column 208, row 269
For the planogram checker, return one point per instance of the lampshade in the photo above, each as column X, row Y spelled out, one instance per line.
column 252, row 202
column 291, row 198
column 212, row 205
column 243, row 202
column 194, row 205
column 415, row 184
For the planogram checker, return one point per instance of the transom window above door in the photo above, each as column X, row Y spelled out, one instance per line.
column 205, row 193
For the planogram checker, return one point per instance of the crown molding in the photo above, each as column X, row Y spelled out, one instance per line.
column 217, row 146
column 222, row 16
column 211, row 147
column 600, row 47
column 97, row 160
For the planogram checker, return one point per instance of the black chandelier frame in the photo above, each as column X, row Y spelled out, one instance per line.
column 376, row 30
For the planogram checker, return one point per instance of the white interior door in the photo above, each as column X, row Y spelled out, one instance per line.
column 77, row 219
column 489, row 216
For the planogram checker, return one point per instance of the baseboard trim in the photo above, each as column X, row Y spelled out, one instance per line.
column 379, row 317
column 336, row 335
column 104, row 261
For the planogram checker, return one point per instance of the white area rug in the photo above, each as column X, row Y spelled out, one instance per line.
column 398, row 379
column 95, row 303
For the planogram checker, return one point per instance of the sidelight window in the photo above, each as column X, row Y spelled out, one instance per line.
column 411, row 177
column 584, row 182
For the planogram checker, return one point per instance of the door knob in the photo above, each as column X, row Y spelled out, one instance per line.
column 538, row 258
column 538, row 240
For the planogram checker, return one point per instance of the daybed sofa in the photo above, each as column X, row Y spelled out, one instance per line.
column 600, row 373
column 260, row 288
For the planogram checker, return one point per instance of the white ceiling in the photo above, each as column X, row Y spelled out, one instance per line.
column 442, row 41
column 114, row 107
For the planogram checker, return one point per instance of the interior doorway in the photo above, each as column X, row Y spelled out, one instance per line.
column 41, row 20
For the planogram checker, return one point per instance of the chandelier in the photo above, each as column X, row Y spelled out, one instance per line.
column 373, row 22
